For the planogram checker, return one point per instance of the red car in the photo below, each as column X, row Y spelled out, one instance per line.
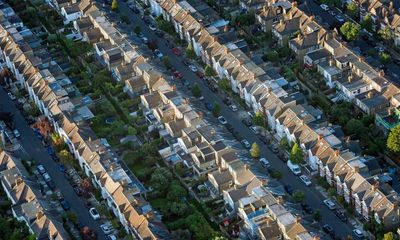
column 176, row 51
column 200, row 74
column 177, row 74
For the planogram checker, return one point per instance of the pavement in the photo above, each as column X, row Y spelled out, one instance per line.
column 34, row 148
column 313, row 196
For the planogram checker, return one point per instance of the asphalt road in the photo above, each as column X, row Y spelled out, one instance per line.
column 36, row 150
column 313, row 197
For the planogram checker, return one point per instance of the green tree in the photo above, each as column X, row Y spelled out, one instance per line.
column 388, row 236
column 350, row 31
column 385, row 34
column 317, row 215
column 208, row 71
column 298, row 196
column 332, row 3
column 255, row 151
column 176, row 192
column 137, row 30
column 367, row 23
column 224, row 84
column 352, row 10
column 296, row 154
column 355, row 126
column 65, row 157
column 190, row 52
column 114, row 5
column 393, row 140
column 160, row 179
column 272, row 56
column 276, row 174
column 178, row 208
column 385, row 58
column 331, row 192
column 166, row 62
column 132, row 130
column 196, row 91
column 259, row 119
column 216, row 109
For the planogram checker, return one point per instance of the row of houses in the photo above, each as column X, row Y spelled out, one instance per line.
column 28, row 203
column 198, row 144
column 326, row 151
column 350, row 74
column 68, row 111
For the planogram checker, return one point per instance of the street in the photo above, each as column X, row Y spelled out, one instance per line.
column 313, row 197
column 34, row 148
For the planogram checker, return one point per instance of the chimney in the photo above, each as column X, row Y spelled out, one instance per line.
column 320, row 137
column 268, row 221
column 39, row 214
column 294, row 4
column 390, row 111
column 281, row 22
column 18, row 181
column 246, row 167
column 381, row 73
column 331, row 62
column 226, row 50
column 336, row 153
column 280, row 200
column 375, row 186
column 226, row 28
column 356, row 169
column 297, row 219
column 316, row 238
column 369, row 95
column 264, row 8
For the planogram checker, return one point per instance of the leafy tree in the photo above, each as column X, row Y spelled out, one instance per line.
column 216, row 109
column 209, row 72
column 350, row 31
column 132, row 130
column 298, row 196
column 331, row 192
column 178, row 208
column 296, row 154
column 255, row 151
column 386, row 34
column 276, row 174
column 88, row 233
column 181, row 234
column 196, row 91
column 125, row 19
column 247, row 19
column 367, row 23
column 393, row 140
column 224, row 84
column 388, row 236
column 385, row 58
column 284, row 144
column 114, row 5
column 176, row 192
column 152, row 44
column 190, row 52
column 259, row 119
column 44, row 127
column 65, row 157
column 317, row 215
column 86, row 187
column 355, row 126
column 137, row 30
column 160, row 178
column 72, row 217
column 272, row 56
column 166, row 62
column 332, row 3
column 352, row 10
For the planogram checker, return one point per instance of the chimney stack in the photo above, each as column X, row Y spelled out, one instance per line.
column 298, row 219
column 369, row 95
column 356, row 169
column 381, row 73
column 280, row 200
column 320, row 137
column 350, row 78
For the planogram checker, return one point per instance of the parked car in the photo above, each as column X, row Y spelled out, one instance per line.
column 51, row 185
column 325, row 7
column 330, row 204
column 222, row 120
column 152, row 27
column 11, row 96
column 227, row 101
column 265, row 163
column 305, row 180
column 340, row 18
column 358, row 234
column 307, row 208
column 275, row 148
column 246, row 143
column 329, row 230
column 158, row 54
column 255, row 130
column 233, row 107
column 65, row 205
column 106, row 228
column 237, row 136
column 78, row 191
column 46, row 177
column 208, row 105
column 159, row 34
column 93, row 212
column 289, row 189
column 263, row 139
column 186, row 83
column 229, row 127
column 176, row 51
column 185, row 62
column 193, row 68
column 294, row 168
column 178, row 74
column 341, row 215
column 200, row 74
column 62, row 168
column 144, row 40
column 16, row 133
column 41, row 169
column 247, row 122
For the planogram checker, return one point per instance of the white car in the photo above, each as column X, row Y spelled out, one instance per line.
column 11, row 96
column 158, row 53
column 111, row 237
column 255, row 130
column 246, row 143
column 324, row 6
column 152, row 27
column 340, row 18
column 305, row 180
column 265, row 163
column 93, row 212
column 46, row 177
column 330, row 204
column 222, row 120
column 233, row 107
column 358, row 233
column 106, row 228
column 193, row 68
column 16, row 133
column 145, row 40
column 41, row 169
column 296, row 170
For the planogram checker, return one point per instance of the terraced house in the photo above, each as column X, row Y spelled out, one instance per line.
column 50, row 90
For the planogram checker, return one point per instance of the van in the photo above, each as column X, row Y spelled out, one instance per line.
column 294, row 168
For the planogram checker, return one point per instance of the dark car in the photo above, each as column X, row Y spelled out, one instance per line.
column 187, row 63
column 65, row 205
column 51, row 185
column 227, row 101
column 229, row 127
column 78, row 191
column 341, row 215
column 329, row 230
column 208, row 105
column 237, row 135
column 289, row 189
column 307, row 208
column 159, row 34
column 247, row 122
column 263, row 139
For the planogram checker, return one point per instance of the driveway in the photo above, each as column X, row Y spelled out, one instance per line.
column 313, row 197
column 34, row 148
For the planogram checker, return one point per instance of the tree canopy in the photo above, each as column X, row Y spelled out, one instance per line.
column 196, row 91
column 159, row 179
column 114, row 5
column 190, row 52
column 393, row 141
column 352, row 10
column 258, row 119
column 350, row 31
column 367, row 23
column 296, row 154
column 255, row 151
